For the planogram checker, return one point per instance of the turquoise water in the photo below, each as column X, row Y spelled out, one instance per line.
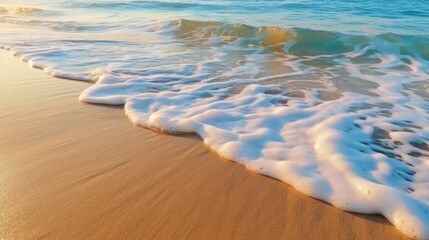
column 331, row 97
column 370, row 17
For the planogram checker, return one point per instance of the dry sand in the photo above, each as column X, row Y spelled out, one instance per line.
column 75, row 171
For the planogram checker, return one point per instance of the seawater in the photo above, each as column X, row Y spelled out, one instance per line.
column 330, row 97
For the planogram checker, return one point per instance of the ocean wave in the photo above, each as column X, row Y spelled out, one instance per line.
column 299, row 42
column 341, row 117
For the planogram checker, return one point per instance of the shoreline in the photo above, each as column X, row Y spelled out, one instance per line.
column 81, row 171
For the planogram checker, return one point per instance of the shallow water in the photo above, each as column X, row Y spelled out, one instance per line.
column 328, row 96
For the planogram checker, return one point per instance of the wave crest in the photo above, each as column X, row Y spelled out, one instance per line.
column 266, row 36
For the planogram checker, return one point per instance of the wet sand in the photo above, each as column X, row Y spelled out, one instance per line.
column 76, row 171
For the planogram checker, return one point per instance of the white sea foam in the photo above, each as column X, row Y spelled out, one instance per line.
column 359, row 145
column 342, row 118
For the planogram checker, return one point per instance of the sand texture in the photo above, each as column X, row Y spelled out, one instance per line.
column 76, row 171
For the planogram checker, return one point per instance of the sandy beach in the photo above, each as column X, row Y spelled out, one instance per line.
column 77, row 171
